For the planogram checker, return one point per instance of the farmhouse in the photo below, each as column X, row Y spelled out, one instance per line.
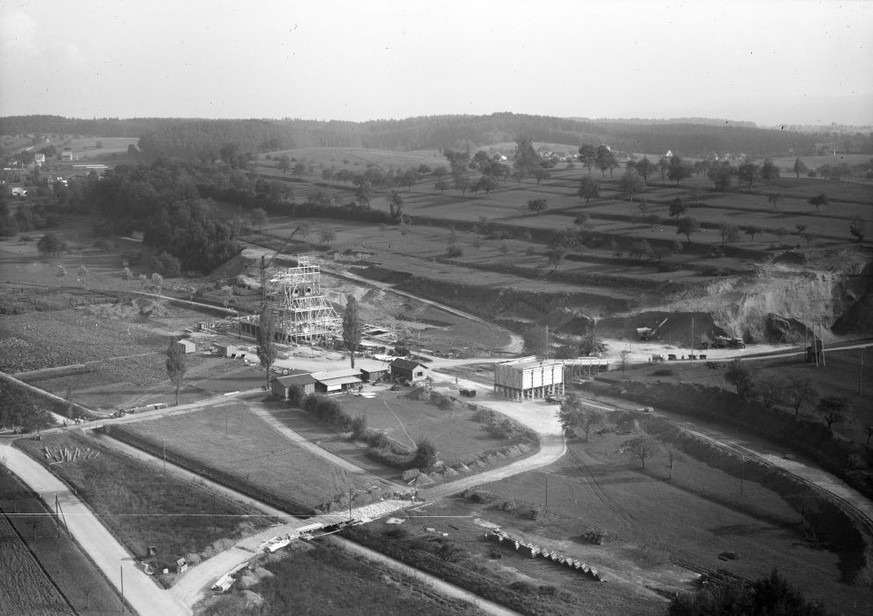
column 337, row 381
column 407, row 370
column 187, row 346
column 372, row 370
column 529, row 378
column 283, row 384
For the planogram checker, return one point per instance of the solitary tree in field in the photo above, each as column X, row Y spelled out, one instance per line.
column 176, row 367
column 352, row 326
column 749, row 173
column 769, row 171
column 799, row 167
column 774, row 199
column 576, row 418
column 605, row 159
column 61, row 272
column 818, row 201
column 258, row 217
column 630, row 183
column 644, row 168
column 642, row 447
column 679, row 170
column 753, row 230
column 720, row 174
column 687, row 226
column 588, row 189
column 834, row 409
column 801, row 393
column 678, row 207
column 858, row 228
column 49, row 244
column 395, row 204
column 267, row 350
column 729, row 234
column 772, row 390
column 587, row 156
column 537, row 205
column 739, row 375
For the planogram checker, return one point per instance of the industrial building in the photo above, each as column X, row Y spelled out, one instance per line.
column 529, row 378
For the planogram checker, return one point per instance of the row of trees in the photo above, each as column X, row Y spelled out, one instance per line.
column 773, row 390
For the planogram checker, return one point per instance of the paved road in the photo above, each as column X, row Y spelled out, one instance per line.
column 139, row 590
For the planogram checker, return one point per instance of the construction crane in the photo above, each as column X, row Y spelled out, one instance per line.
column 265, row 264
column 646, row 333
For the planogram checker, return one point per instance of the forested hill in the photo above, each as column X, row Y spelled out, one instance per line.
column 204, row 139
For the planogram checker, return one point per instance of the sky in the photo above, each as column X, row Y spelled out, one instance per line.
column 769, row 61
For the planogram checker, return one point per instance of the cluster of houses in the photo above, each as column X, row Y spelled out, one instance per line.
column 349, row 379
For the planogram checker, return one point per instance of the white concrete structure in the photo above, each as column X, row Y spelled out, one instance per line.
column 529, row 378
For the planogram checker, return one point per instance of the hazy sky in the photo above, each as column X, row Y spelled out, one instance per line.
column 767, row 61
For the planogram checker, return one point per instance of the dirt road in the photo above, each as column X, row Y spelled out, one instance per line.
column 139, row 590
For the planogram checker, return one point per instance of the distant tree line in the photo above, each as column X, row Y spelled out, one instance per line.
column 203, row 139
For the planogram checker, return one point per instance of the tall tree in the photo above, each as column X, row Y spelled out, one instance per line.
column 266, row 339
column 749, row 173
column 630, row 183
column 687, row 226
column 589, row 189
column 818, row 201
column 740, row 376
column 679, row 170
column 834, row 409
column 644, row 168
column 352, row 326
column 769, row 171
column 799, row 167
column 587, row 156
column 642, row 447
column 49, row 244
column 605, row 159
column 177, row 366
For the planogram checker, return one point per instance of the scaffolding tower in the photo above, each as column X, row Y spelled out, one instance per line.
column 303, row 312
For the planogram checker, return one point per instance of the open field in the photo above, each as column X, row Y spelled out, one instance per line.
column 24, row 586
column 71, row 572
column 138, row 504
column 235, row 447
column 455, row 432
column 653, row 528
column 322, row 580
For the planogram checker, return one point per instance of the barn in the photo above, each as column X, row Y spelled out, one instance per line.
column 283, row 384
column 187, row 346
column 372, row 370
column 407, row 370
column 336, row 381
column 529, row 378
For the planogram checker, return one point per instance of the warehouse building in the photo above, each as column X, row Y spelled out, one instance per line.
column 529, row 378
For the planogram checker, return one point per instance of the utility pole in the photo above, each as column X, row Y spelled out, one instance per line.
column 692, row 340
column 860, row 369
column 821, row 331
column 121, row 569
